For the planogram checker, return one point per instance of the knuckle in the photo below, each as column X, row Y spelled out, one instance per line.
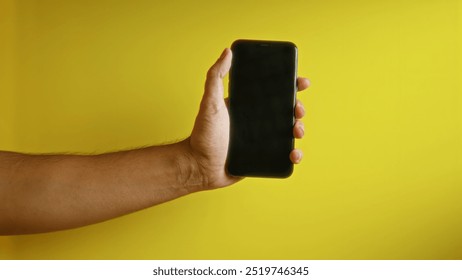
column 212, row 73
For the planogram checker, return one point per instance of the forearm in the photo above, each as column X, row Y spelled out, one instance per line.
column 40, row 193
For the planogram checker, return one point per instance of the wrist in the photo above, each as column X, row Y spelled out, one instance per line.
column 190, row 173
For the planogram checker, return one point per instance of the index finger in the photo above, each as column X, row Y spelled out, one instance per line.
column 302, row 83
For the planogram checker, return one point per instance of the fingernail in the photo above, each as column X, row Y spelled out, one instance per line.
column 298, row 157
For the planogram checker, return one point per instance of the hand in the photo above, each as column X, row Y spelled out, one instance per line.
column 299, row 129
column 209, row 140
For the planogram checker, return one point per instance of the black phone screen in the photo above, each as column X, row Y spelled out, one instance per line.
column 262, row 88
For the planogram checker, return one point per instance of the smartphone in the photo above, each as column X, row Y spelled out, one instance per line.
column 262, row 92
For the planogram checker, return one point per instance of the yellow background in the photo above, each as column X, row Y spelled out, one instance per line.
column 382, row 173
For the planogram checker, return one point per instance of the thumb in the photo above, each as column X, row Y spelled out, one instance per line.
column 215, row 75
